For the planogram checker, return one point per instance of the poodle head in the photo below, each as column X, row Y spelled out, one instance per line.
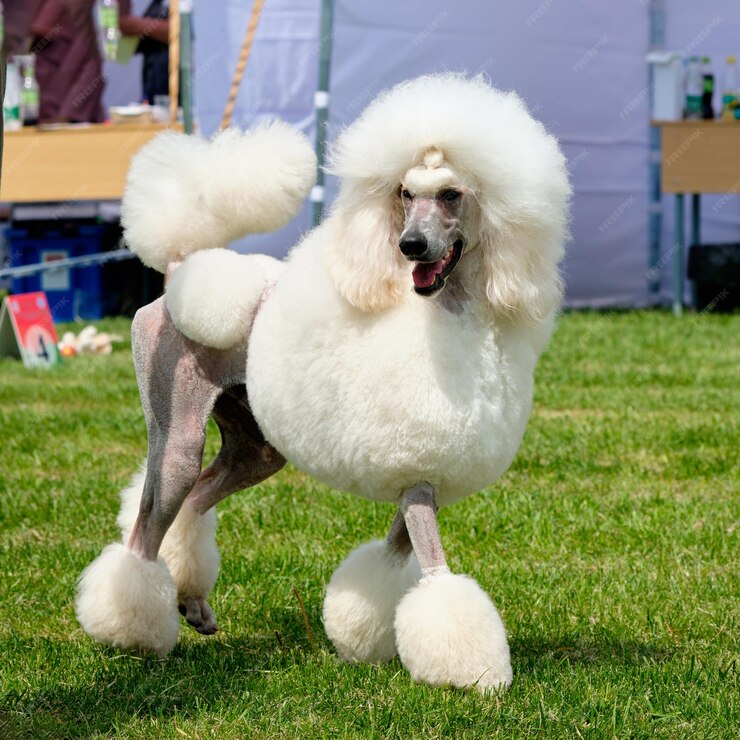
column 445, row 178
column 441, row 218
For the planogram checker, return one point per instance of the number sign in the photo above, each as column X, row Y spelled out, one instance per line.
column 27, row 330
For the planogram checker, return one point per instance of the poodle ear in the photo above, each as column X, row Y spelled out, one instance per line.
column 362, row 257
column 522, row 279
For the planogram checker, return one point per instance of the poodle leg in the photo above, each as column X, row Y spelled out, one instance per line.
column 188, row 549
column 419, row 511
column 448, row 631
column 127, row 597
column 166, row 526
column 363, row 594
column 172, row 472
column 245, row 459
column 189, row 546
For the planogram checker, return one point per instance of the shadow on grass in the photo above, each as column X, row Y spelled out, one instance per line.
column 531, row 654
column 102, row 690
column 105, row 690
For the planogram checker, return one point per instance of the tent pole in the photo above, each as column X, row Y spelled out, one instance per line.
column 656, row 13
column 186, row 64
column 321, row 105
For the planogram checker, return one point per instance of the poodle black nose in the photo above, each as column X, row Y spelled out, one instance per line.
column 413, row 244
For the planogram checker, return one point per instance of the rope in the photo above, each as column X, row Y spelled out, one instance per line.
column 174, row 42
column 242, row 63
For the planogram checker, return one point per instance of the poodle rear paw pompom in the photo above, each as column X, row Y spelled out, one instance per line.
column 448, row 632
column 128, row 602
column 361, row 600
column 188, row 550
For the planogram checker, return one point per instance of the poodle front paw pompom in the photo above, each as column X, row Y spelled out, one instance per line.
column 361, row 601
column 128, row 602
column 448, row 632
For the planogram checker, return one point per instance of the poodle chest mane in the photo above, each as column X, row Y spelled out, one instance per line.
column 373, row 403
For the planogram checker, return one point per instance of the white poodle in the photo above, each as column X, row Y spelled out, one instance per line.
column 392, row 356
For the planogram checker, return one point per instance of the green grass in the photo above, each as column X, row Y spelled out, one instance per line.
column 610, row 548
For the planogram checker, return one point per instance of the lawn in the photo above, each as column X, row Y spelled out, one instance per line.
column 610, row 549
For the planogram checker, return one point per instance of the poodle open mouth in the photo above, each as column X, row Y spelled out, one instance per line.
column 429, row 277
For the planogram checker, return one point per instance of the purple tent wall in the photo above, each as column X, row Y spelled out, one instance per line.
column 579, row 65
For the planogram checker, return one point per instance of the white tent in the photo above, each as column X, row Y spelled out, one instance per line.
column 579, row 65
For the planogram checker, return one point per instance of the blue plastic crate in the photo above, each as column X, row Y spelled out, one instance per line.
column 73, row 293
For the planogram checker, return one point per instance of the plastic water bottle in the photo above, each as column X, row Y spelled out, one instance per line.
column 693, row 90
column 730, row 91
column 707, row 106
column 109, row 27
column 12, row 100
column 30, row 91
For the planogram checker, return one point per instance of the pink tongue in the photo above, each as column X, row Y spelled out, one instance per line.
column 425, row 272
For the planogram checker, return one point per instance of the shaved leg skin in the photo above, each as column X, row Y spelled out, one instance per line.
column 245, row 457
column 181, row 384
column 419, row 512
column 398, row 538
column 172, row 470
column 178, row 385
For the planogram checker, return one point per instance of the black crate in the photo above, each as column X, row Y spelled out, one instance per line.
column 715, row 270
column 127, row 284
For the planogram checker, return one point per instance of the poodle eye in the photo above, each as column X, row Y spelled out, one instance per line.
column 449, row 196
column 406, row 195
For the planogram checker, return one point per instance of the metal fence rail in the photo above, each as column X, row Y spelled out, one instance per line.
column 84, row 261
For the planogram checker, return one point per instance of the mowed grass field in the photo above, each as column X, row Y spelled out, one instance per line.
column 610, row 549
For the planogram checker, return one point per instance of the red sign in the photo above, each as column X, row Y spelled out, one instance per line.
column 27, row 330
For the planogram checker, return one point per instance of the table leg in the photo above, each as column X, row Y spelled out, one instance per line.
column 695, row 234
column 679, row 241
column 695, row 218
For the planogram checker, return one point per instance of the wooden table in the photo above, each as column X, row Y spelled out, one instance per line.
column 696, row 157
column 70, row 164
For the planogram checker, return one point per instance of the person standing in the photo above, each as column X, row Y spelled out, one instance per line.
column 69, row 67
column 153, row 31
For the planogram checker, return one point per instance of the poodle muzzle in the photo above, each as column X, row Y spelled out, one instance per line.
column 435, row 260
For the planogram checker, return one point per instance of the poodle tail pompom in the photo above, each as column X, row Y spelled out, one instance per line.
column 213, row 296
column 184, row 193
